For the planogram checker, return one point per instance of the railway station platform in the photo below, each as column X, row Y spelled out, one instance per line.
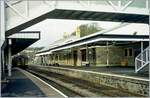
column 122, row 78
column 118, row 70
column 24, row 84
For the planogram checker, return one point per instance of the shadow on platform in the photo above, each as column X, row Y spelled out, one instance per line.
column 19, row 85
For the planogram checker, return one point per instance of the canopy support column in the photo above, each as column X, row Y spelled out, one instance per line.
column 87, row 54
column 9, row 57
column 107, row 53
column 2, row 33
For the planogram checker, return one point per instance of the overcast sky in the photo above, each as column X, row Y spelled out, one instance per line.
column 53, row 29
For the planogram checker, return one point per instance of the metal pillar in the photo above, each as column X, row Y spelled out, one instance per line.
column 2, row 32
column 107, row 53
column 46, row 60
column 44, row 56
column 6, row 60
column 87, row 54
column 142, row 52
column 3, row 62
column 9, row 57
column 54, row 59
column 42, row 60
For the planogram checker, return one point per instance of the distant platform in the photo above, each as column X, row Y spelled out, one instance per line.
column 24, row 84
column 118, row 70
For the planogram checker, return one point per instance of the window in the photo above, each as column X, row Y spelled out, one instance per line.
column 128, row 52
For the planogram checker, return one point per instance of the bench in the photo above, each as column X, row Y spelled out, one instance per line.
column 85, row 63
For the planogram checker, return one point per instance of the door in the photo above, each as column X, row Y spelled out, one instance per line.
column 92, row 56
column 75, row 57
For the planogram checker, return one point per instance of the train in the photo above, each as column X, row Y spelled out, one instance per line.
column 20, row 61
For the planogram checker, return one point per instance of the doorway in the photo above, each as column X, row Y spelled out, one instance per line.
column 92, row 56
column 75, row 57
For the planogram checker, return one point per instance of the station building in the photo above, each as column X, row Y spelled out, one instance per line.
column 98, row 49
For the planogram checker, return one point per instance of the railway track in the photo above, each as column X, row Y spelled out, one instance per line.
column 73, row 87
column 55, row 83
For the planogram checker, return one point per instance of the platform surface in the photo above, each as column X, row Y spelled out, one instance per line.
column 118, row 70
column 23, row 84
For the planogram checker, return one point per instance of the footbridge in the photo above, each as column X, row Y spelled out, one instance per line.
column 22, row 14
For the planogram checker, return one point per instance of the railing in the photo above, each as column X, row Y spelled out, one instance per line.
column 142, row 60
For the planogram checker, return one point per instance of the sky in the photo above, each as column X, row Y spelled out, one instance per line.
column 53, row 29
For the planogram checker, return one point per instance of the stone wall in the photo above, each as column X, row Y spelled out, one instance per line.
column 116, row 56
column 129, row 84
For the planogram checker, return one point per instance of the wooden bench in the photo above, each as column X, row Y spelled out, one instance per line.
column 85, row 63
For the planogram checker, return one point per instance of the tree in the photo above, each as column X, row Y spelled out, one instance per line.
column 88, row 29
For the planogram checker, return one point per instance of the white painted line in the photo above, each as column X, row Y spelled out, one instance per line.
column 46, row 84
